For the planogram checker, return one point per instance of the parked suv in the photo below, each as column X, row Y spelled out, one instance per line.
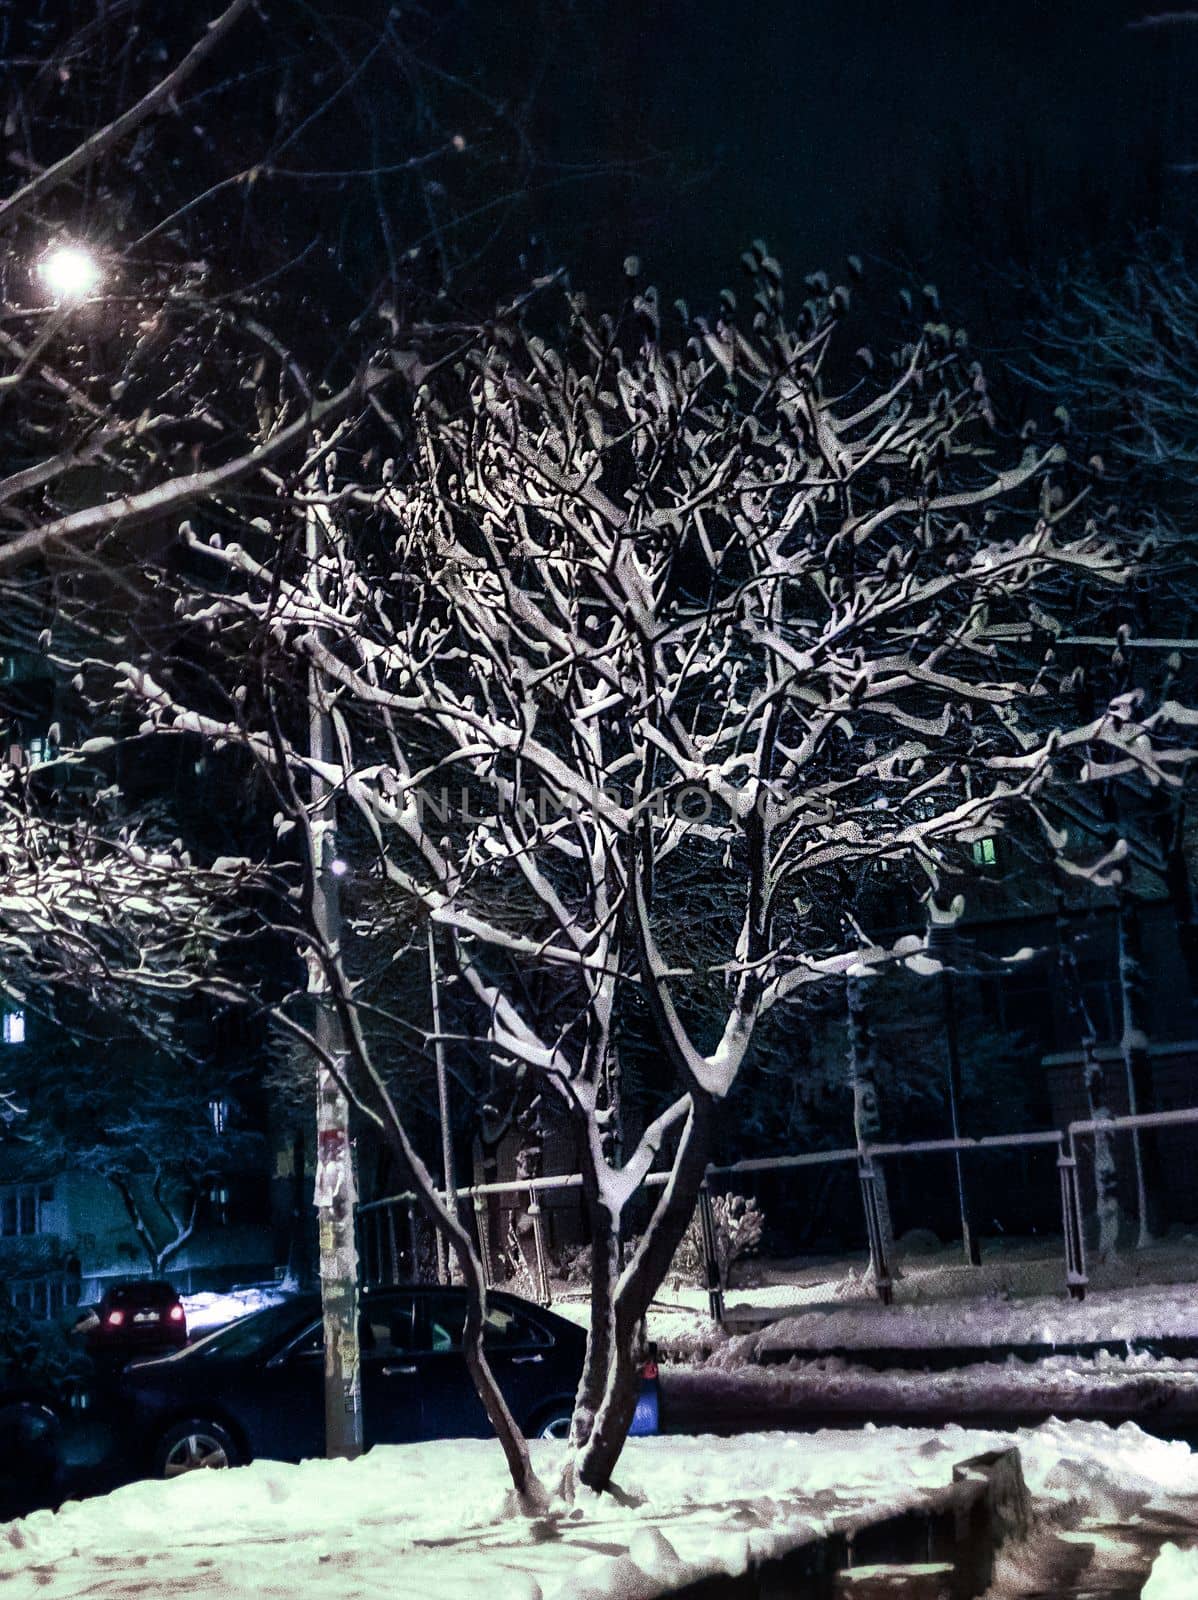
column 135, row 1317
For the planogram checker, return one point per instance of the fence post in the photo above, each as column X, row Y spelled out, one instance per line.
column 1071, row 1216
column 538, row 1239
column 711, row 1260
column 414, row 1241
column 392, row 1245
column 883, row 1281
column 482, row 1223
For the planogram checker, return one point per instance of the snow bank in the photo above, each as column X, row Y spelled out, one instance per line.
column 207, row 1311
column 434, row 1520
column 1106, row 1386
column 1174, row 1575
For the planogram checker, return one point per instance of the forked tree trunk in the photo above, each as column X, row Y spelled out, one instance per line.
column 157, row 1255
column 605, row 1270
column 598, row 1455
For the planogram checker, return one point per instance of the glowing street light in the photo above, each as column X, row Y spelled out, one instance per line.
column 69, row 272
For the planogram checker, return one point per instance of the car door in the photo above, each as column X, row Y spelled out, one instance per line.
column 517, row 1351
column 286, row 1397
column 392, row 1369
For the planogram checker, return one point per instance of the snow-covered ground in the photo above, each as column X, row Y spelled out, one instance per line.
column 435, row 1520
column 1174, row 1575
column 1111, row 1314
column 1017, row 1296
column 207, row 1311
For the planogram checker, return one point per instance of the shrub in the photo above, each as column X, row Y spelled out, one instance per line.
column 738, row 1229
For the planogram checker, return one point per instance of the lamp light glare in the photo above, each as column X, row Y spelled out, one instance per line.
column 338, row 867
column 69, row 272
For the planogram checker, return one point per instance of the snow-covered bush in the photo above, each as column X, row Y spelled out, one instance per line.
column 738, row 1228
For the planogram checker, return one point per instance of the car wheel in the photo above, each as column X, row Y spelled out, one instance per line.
column 555, row 1426
column 192, row 1445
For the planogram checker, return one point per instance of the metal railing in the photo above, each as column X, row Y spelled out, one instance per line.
column 384, row 1255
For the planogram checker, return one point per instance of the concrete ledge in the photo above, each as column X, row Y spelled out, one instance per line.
column 944, row 1547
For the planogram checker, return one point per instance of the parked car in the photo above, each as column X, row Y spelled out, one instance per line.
column 30, row 1435
column 255, row 1388
column 134, row 1316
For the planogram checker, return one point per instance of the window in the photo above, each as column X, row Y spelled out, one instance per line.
column 218, row 1110
column 389, row 1328
column 504, row 1329
column 985, row 852
column 14, row 1027
column 21, row 1208
column 39, row 1297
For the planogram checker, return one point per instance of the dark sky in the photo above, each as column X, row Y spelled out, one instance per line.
column 820, row 125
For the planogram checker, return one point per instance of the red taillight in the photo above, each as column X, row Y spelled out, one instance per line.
column 115, row 1318
column 175, row 1313
column 649, row 1372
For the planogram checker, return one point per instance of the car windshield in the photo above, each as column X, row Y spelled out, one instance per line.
column 257, row 1332
column 146, row 1294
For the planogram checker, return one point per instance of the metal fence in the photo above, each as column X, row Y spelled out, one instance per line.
column 888, row 1205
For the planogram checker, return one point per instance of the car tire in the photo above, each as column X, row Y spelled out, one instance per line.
column 554, row 1424
column 194, row 1445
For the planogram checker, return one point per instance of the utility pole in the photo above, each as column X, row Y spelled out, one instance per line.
column 336, row 1184
column 448, row 1171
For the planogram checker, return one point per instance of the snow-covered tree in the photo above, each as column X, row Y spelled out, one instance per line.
column 629, row 604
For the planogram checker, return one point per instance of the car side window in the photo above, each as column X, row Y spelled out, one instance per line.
column 392, row 1328
column 308, row 1345
column 504, row 1327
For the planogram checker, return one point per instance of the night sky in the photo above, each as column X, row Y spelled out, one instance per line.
column 827, row 128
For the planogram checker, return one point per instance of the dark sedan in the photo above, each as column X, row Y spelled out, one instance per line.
column 255, row 1388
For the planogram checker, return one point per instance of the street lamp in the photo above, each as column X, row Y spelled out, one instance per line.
column 70, row 272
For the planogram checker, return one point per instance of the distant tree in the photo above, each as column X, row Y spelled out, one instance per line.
column 165, row 1127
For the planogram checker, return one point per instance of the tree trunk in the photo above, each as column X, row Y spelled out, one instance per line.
column 952, row 1046
column 1106, row 1168
column 605, row 1270
column 867, row 1122
column 141, row 1228
column 521, row 1225
column 1137, row 1062
column 1178, row 882
column 370, row 1092
column 1098, row 1107
column 639, row 1282
column 529, row 1492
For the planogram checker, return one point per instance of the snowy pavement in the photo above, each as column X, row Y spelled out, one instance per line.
column 435, row 1520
